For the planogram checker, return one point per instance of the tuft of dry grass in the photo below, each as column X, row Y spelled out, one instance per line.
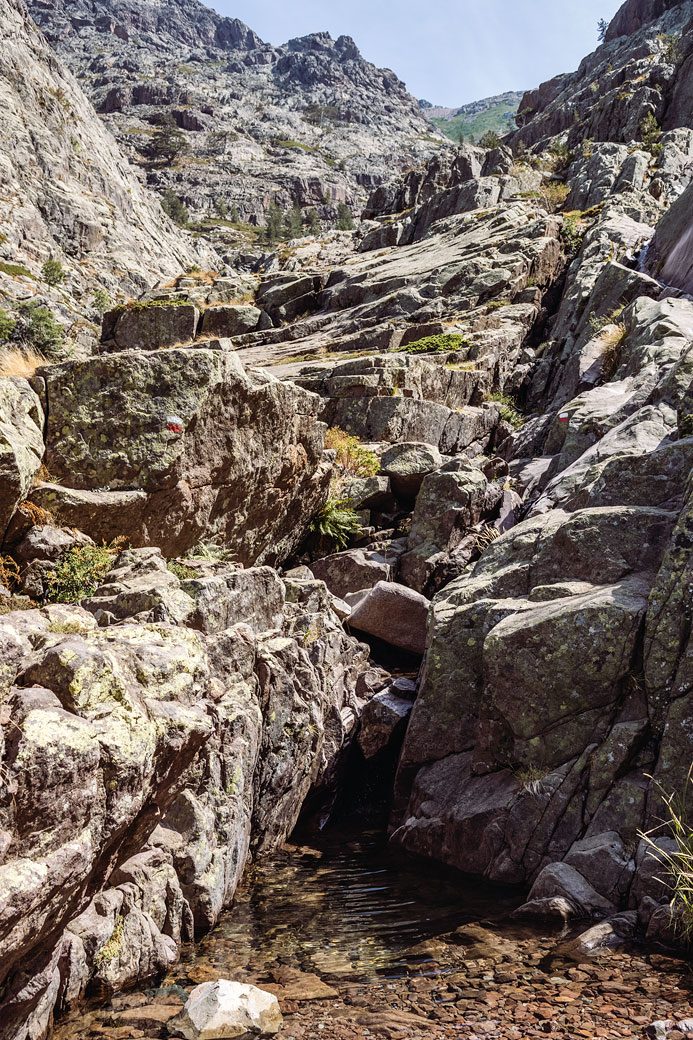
column 677, row 865
column 20, row 364
column 612, row 349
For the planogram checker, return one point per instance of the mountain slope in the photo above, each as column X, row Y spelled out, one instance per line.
column 67, row 191
column 495, row 114
column 311, row 122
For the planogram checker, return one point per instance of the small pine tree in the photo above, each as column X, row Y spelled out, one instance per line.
column 274, row 225
column 651, row 134
column 490, row 140
column 602, row 29
column 312, row 222
column 221, row 207
column 293, row 223
column 175, row 208
column 53, row 272
column 460, row 139
column 37, row 327
column 169, row 144
column 345, row 219
column 234, row 215
column 101, row 302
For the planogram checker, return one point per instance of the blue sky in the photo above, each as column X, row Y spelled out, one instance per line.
column 448, row 51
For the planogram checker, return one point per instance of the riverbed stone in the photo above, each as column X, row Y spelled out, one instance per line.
column 227, row 1009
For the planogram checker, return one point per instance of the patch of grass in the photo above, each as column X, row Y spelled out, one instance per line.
column 444, row 341
column 69, row 627
column 180, row 570
column 531, row 778
column 335, row 523
column 678, row 865
column 8, row 606
column 351, row 455
column 16, row 363
column 16, row 270
column 288, row 143
column 509, row 412
column 145, row 305
column 486, row 537
column 495, row 305
column 211, row 552
column 554, row 195
column 80, row 572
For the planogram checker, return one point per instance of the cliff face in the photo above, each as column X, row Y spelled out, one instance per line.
column 643, row 68
column 310, row 122
column 68, row 191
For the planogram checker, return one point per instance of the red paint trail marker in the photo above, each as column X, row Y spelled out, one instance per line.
column 563, row 417
column 174, row 423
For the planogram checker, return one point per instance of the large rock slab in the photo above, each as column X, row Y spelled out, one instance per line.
column 149, row 326
column 229, row 321
column 21, row 444
column 227, row 1009
column 216, row 451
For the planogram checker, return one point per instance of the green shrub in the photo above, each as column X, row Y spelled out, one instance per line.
column 101, row 302
column 53, row 272
column 7, row 325
column 175, row 208
column 335, row 523
column 79, row 572
column 351, row 455
column 571, row 234
column 508, row 412
column 36, row 327
column 671, row 47
column 447, row 341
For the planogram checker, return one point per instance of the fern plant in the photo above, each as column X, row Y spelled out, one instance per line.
column 336, row 523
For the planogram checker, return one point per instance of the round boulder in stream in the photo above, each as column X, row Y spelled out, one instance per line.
column 393, row 613
column 227, row 1009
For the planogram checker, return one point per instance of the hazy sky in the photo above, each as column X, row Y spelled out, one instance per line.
column 447, row 51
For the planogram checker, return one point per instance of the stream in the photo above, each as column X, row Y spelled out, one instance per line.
column 358, row 940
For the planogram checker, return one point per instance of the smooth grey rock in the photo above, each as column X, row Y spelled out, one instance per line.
column 227, row 1009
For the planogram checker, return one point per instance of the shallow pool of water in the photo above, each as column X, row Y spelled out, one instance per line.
column 350, row 908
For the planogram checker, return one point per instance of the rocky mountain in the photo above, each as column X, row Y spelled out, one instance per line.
column 310, row 124
column 642, row 68
column 68, row 192
column 494, row 114
column 405, row 510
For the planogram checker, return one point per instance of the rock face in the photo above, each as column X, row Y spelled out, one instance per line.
column 670, row 254
column 633, row 74
column 309, row 123
column 175, row 447
column 21, row 444
column 59, row 203
column 177, row 749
